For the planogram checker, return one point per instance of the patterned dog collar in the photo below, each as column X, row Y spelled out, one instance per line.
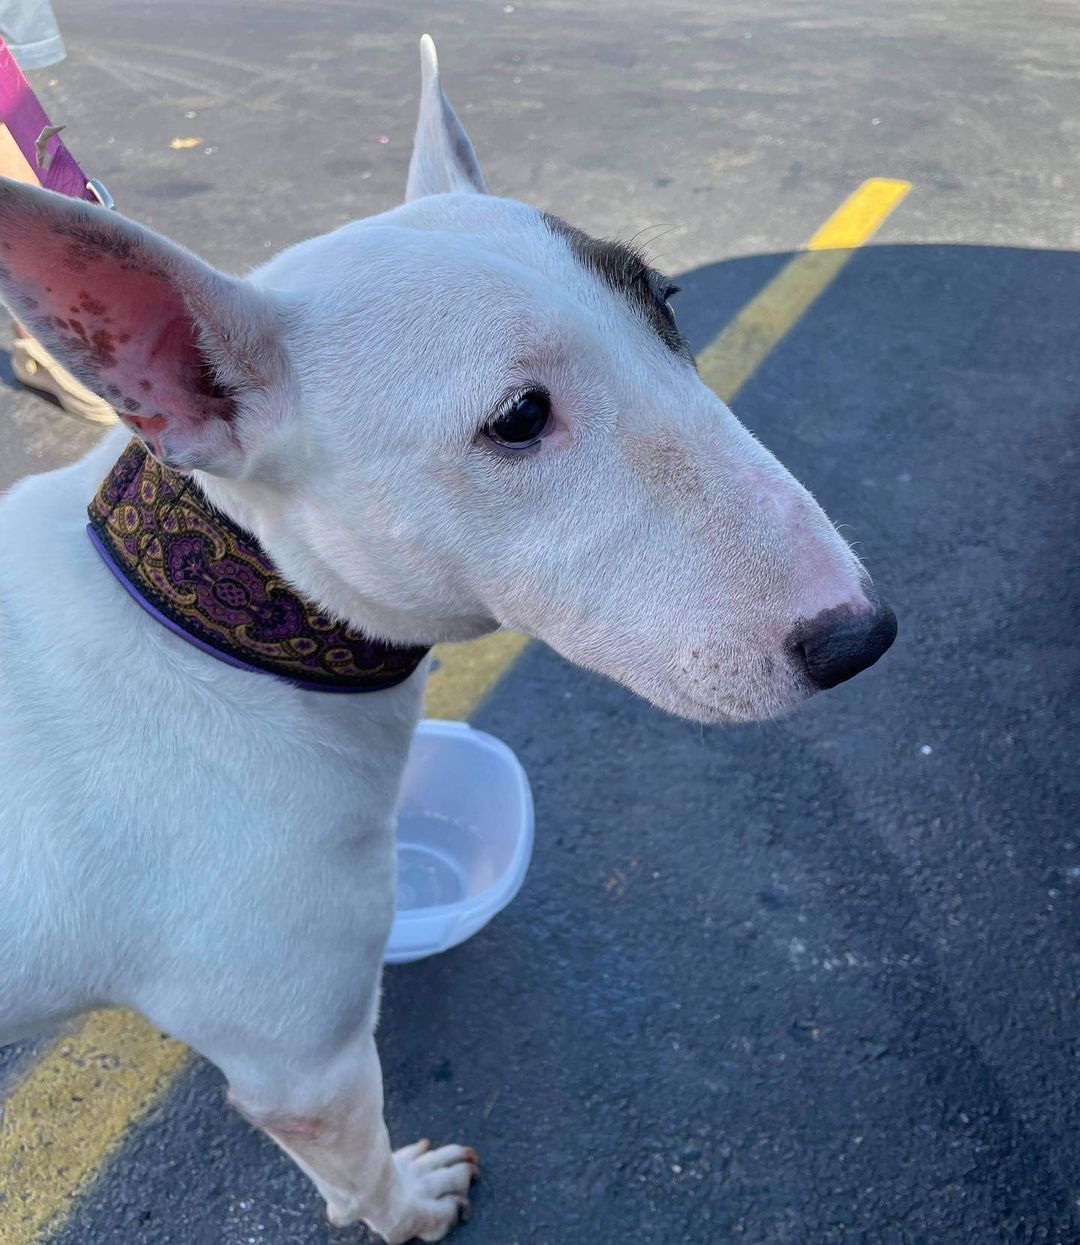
column 209, row 581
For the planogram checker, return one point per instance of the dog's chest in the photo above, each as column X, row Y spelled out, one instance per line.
column 120, row 741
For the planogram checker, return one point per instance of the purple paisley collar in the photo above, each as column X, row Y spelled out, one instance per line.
column 209, row 581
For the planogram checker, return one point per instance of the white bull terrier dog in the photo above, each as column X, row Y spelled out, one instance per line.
column 459, row 415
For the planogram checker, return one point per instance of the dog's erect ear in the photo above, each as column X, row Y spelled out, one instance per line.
column 189, row 357
column 443, row 159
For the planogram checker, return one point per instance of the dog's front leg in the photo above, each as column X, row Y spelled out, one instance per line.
column 328, row 1116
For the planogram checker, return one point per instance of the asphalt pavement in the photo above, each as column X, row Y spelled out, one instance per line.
column 814, row 982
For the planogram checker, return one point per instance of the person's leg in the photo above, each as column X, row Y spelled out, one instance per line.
column 29, row 29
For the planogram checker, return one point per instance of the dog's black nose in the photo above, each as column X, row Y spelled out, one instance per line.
column 839, row 643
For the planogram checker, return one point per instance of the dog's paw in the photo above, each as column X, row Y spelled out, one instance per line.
column 436, row 1183
column 429, row 1196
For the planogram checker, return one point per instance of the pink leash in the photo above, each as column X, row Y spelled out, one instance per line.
column 25, row 120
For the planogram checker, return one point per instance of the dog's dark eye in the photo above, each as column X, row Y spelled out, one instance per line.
column 522, row 421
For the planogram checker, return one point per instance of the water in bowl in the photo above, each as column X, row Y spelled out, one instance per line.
column 428, row 874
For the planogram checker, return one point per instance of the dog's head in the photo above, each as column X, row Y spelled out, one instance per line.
column 460, row 414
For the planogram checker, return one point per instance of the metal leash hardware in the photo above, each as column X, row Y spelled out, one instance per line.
column 100, row 192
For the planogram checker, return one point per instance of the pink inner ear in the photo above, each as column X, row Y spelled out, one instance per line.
column 120, row 323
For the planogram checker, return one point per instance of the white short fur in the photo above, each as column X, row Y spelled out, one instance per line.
column 214, row 848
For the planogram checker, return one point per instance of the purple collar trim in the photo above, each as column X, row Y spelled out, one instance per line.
column 209, row 581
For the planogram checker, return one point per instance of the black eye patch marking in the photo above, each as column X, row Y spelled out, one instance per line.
column 623, row 270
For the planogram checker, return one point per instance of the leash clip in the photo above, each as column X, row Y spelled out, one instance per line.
column 101, row 194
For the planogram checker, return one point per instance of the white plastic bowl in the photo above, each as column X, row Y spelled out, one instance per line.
column 464, row 838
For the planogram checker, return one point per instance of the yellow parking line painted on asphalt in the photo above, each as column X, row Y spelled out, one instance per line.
column 63, row 1120
column 739, row 351
column 466, row 672
column 68, row 1114
column 861, row 214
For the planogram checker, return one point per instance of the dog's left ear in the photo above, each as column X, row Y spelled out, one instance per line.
column 443, row 160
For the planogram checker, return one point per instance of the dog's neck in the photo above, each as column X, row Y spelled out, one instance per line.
column 205, row 577
column 260, row 508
